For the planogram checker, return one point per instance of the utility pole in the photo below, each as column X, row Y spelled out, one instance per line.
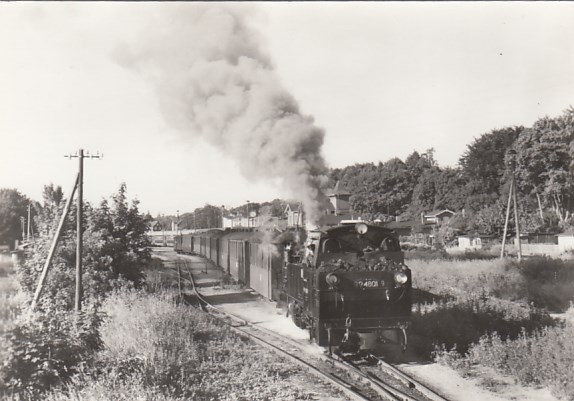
column 516, row 221
column 44, row 274
column 248, row 218
column 29, row 220
column 506, row 219
column 79, row 224
column 512, row 198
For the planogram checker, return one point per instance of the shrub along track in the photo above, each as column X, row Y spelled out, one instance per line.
column 380, row 382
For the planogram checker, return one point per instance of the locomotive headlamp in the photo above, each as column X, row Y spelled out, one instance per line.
column 361, row 228
column 401, row 277
column 332, row 279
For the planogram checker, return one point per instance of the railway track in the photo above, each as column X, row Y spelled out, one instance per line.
column 378, row 380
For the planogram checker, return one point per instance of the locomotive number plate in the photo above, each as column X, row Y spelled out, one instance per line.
column 366, row 283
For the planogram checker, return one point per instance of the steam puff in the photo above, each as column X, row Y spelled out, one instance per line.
column 215, row 80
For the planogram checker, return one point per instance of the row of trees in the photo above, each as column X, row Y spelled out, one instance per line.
column 540, row 158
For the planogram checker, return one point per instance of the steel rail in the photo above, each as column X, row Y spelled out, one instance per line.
column 343, row 386
column 374, row 380
column 426, row 391
column 383, row 389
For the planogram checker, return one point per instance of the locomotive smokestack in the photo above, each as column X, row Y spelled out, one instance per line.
column 216, row 80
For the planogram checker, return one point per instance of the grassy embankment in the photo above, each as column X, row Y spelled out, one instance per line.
column 155, row 348
column 495, row 314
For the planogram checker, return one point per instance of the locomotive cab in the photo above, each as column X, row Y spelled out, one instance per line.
column 352, row 287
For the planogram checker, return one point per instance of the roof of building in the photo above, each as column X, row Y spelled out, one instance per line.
column 435, row 213
column 338, row 190
column 293, row 206
column 333, row 220
column 406, row 224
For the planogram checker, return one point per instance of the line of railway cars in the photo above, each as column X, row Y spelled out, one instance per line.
column 348, row 285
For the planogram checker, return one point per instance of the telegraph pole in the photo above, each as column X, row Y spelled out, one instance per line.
column 44, row 274
column 79, row 248
column 516, row 221
column 512, row 198
column 29, row 221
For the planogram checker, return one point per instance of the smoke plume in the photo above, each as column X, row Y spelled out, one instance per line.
column 215, row 80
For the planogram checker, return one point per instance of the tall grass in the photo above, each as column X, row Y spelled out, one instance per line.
column 469, row 278
column 155, row 348
column 542, row 358
column 492, row 314
column 540, row 281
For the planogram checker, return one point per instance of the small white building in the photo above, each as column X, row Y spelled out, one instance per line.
column 566, row 242
column 469, row 242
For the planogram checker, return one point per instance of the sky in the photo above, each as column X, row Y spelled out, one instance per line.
column 380, row 79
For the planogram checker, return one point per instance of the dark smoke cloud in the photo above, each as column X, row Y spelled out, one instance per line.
column 216, row 80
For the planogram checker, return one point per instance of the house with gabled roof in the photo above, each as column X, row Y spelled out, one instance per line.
column 294, row 214
column 437, row 216
column 423, row 230
column 340, row 199
column 155, row 225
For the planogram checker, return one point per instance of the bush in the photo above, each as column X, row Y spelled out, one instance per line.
column 458, row 324
column 474, row 254
column 543, row 357
column 549, row 282
column 46, row 349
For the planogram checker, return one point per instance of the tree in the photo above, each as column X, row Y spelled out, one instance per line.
column 424, row 192
column 542, row 163
column 13, row 207
column 450, row 190
column 123, row 229
column 489, row 220
column 47, row 211
column 116, row 250
column 483, row 162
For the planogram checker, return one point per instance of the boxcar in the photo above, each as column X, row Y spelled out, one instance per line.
column 187, row 243
column 237, row 244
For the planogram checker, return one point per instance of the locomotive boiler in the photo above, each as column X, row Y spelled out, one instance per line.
column 350, row 287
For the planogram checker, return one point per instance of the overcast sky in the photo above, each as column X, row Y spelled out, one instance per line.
column 382, row 80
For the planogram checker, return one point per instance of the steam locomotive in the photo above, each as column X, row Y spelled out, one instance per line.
column 347, row 285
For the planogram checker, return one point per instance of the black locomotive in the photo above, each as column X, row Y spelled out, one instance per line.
column 348, row 285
